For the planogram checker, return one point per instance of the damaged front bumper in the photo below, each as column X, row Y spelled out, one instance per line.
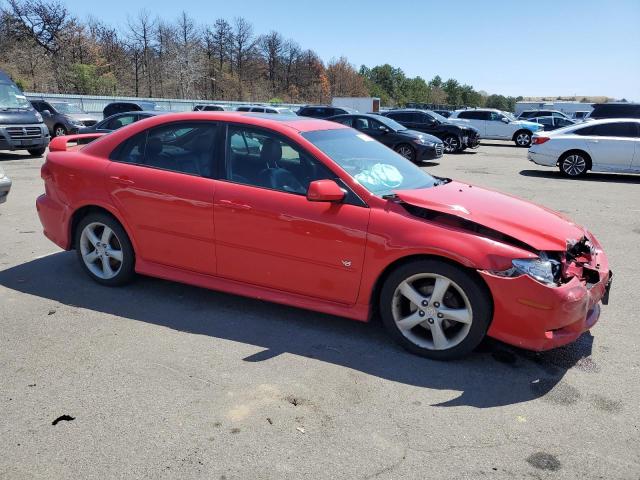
column 531, row 315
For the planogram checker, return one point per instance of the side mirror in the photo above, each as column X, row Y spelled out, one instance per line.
column 46, row 113
column 504, row 119
column 384, row 129
column 325, row 191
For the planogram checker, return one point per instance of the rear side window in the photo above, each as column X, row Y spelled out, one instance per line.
column 400, row 116
column 616, row 111
column 179, row 147
column 472, row 115
column 618, row 129
column 120, row 122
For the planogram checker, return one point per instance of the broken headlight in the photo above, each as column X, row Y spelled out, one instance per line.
column 542, row 269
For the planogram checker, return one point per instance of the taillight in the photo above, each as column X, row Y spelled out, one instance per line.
column 45, row 172
column 540, row 140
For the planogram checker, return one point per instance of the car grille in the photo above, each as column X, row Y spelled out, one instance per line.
column 20, row 133
column 89, row 123
column 439, row 149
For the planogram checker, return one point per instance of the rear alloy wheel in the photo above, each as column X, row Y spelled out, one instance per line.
column 435, row 309
column 104, row 250
column 573, row 165
column 451, row 144
column 523, row 139
column 59, row 131
column 407, row 151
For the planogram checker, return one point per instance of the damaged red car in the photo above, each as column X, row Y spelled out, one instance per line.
column 316, row 215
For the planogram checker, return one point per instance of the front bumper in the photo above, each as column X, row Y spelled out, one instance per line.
column 425, row 153
column 534, row 316
column 23, row 137
column 5, row 187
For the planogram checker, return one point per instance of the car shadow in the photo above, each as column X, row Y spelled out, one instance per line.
column 589, row 177
column 492, row 376
column 506, row 145
column 8, row 156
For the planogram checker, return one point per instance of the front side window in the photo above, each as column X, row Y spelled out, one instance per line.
column 264, row 159
column 376, row 167
column 180, row 147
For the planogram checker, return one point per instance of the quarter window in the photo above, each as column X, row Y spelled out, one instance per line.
column 618, row 129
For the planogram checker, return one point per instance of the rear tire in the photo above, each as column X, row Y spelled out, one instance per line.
column 37, row 152
column 447, row 316
column 407, row 151
column 574, row 164
column 104, row 250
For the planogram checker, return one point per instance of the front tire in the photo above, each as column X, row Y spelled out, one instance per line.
column 573, row 164
column 407, row 151
column 522, row 139
column 104, row 250
column 36, row 152
column 435, row 309
column 59, row 131
column 451, row 144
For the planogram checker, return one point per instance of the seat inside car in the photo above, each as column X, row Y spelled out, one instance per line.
column 274, row 176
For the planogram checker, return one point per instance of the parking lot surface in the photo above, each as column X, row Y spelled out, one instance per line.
column 162, row 380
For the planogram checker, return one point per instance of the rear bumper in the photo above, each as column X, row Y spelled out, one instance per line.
column 10, row 139
column 55, row 221
column 540, row 158
column 531, row 315
column 473, row 141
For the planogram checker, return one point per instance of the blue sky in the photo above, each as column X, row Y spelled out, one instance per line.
column 531, row 48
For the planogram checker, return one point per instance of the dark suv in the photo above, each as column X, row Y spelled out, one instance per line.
column 615, row 110
column 21, row 127
column 455, row 138
column 323, row 111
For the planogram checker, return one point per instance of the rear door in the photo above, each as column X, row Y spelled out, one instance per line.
column 477, row 119
column 612, row 146
column 162, row 182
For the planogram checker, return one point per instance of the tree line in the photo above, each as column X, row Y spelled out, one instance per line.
column 45, row 48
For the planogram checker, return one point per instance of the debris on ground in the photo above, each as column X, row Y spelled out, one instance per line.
column 63, row 418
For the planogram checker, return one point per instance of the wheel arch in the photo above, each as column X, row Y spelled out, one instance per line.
column 587, row 157
column 82, row 211
column 377, row 286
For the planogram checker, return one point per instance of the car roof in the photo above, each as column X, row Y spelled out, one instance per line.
column 103, row 146
column 610, row 120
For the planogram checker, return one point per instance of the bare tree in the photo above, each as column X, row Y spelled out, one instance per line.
column 140, row 40
column 272, row 47
column 244, row 44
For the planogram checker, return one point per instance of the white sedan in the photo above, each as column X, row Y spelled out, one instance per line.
column 611, row 145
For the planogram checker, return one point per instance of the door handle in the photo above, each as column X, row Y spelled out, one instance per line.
column 233, row 205
column 122, row 180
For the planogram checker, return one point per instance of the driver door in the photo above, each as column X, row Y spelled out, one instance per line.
column 269, row 234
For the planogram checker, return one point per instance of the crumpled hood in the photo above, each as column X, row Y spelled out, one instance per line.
column 537, row 226
column 415, row 133
column 82, row 117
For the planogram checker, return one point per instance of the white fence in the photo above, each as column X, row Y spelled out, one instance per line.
column 94, row 104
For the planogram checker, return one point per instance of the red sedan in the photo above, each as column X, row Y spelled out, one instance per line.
column 316, row 215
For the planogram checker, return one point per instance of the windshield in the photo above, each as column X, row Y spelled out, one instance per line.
column 374, row 166
column 67, row 108
column 12, row 97
column 438, row 117
column 391, row 123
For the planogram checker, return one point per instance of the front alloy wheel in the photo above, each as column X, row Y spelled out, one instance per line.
column 60, row 131
column 406, row 151
column 523, row 139
column 435, row 309
column 451, row 144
